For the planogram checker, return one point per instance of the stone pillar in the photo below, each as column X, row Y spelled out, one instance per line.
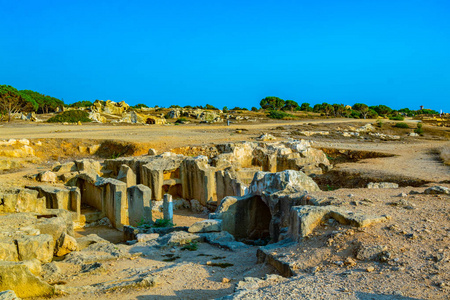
column 139, row 204
column 168, row 207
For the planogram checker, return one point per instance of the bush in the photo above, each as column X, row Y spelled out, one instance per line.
column 275, row 114
column 401, row 125
column 380, row 123
column 71, row 116
column 397, row 118
column 419, row 129
column 181, row 120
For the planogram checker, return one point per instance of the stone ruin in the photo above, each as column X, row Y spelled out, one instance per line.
column 257, row 192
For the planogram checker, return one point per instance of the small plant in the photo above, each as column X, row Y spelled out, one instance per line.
column 396, row 118
column 380, row 123
column 191, row 246
column 419, row 129
column 401, row 125
column 181, row 120
column 71, row 116
column 159, row 223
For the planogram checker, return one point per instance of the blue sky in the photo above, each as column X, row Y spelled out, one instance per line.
column 231, row 53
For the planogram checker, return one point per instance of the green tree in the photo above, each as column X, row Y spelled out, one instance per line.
column 45, row 103
column 254, row 108
column 338, row 110
column 83, row 103
column 272, row 103
column 225, row 109
column 140, row 105
column 290, row 105
column 362, row 108
column 306, row 107
column 11, row 101
column 207, row 106
column 382, row 110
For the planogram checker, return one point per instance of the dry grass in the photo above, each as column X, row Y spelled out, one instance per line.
column 444, row 154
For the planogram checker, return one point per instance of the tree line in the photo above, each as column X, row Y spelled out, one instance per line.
column 358, row 110
column 13, row 101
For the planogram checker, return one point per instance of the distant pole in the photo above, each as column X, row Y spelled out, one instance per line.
column 228, row 122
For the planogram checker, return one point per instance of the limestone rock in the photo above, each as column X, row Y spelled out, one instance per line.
column 8, row 250
column 8, row 295
column 40, row 247
column 47, row 176
column 88, row 240
column 178, row 238
column 143, row 237
column 304, row 219
column 65, row 244
column 265, row 182
column 152, row 152
column 437, row 190
column 382, row 185
column 206, row 226
column 18, row 277
column 266, row 137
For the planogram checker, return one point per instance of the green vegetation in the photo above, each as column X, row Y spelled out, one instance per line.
column 71, row 116
column 401, row 125
column 181, row 120
column 192, row 246
column 79, row 104
column 207, row 106
column 419, row 129
column 396, row 118
column 274, row 114
column 140, row 105
column 380, row 123
column 254, row 109
column 162, row 223
column 362, row 108
column 272, row 103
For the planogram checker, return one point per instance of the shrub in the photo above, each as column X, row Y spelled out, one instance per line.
column 419, row 129
column 192, row 246
column 401, row 125
column 181, row 120
column 275, row 114
column 397, row 118
column 71, row 116
column 380, row 123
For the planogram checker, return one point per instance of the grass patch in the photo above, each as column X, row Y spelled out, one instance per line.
column 275, row 114
column 401, row 125
column 159, row 223
column 192, row 246
column 70, row 116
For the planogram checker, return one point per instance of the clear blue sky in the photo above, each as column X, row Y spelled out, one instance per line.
column 231, row 53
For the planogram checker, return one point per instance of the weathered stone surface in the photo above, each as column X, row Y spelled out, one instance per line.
column 40, row 247
column 382, row 185
column 21, row 200
column 224, row 240
column 152, row 152
column 139, row 204
column 294, row 181
column 8, row 295
column 145, row 237
column 304, row 219
column 370, row 252
column 178, row 238
column 437, row 190
column 18, row 277
column 8, row 250
column 65, row 244
column 47, row 176
column 206, row 226
column 88, row 240
column 127, row 175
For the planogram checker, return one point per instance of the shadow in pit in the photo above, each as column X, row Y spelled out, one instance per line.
column 191, row 294
column 367, row 296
